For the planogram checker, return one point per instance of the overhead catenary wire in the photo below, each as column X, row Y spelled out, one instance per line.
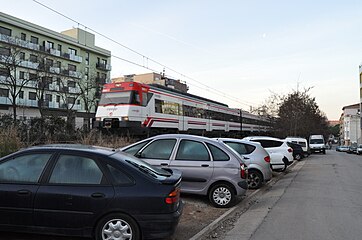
column 206, row 87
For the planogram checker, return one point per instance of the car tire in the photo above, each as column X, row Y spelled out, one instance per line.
column 298, row 157
column 117, row 226
column 255, row 179
column 324, row 151
column 222, row 195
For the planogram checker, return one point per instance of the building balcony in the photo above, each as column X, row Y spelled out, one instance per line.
column 71, row 73
column 28, row 64
column 73, row 90
column 101, row 80
column 18, row 42
column 72, row 57
column 104, row 67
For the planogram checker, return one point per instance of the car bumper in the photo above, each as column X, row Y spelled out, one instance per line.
column 159, row 226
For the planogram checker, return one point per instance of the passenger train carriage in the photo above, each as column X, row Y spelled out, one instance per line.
column 140, row 108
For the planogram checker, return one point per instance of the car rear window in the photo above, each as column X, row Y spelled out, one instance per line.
column 268, row 143
column 241, row 148
column 217, row 153
column 142, row 166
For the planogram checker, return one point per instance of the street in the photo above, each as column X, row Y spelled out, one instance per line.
column 323, row 200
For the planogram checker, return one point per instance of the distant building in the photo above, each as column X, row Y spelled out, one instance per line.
column 350, row 124
column 153, row 78
column 59, row 61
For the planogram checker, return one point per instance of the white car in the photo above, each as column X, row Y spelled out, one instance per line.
column 256, row 158
column 281, row 155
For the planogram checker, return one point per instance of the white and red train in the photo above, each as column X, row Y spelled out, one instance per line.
column 140, row 108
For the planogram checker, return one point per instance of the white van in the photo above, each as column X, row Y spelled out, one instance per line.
column 301, row 141
column 317, row 144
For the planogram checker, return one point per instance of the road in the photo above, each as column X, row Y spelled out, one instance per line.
column 320, row 199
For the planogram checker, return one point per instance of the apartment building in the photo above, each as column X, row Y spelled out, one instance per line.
column 153, row 78
column 350, row 125
column 59, row 74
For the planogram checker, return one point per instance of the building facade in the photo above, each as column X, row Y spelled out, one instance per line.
column 153, row 78
column 43, row 72
column 351, row 125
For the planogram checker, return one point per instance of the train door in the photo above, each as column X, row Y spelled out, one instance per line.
column 182, row 122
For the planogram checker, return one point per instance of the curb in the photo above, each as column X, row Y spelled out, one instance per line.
column 213, row 225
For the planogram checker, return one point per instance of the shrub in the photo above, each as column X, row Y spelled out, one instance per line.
column 9, row 141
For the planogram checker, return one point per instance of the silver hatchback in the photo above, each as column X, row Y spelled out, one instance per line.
column 208, row 166
column 256, row 158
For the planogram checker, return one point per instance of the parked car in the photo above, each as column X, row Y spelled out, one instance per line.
column 208, row 166
column 79, row 190
column 359, row 149
column 341, row 148
column 352, row 149
column 301, row 141
column 298, row 153
column 281, row 155
column 256, row 158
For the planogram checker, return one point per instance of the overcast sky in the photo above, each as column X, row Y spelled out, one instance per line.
column 244, row 50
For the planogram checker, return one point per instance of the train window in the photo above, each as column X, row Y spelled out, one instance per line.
column 135, row 98
column 144, row 99
column 158, row 106
column 115, row 98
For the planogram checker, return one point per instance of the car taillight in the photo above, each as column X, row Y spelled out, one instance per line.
column 243, row 171
column 290, row 150
column 173, row 197
column 267, row 159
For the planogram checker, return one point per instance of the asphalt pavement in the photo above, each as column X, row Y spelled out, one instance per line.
column 320, row 199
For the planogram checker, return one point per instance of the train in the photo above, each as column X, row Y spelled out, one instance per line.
column 149, row 109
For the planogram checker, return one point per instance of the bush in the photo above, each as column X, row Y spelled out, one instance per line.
column 9, row 141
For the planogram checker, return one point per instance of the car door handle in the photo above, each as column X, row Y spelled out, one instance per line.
column 246, row 158
column 23, row 192
column 98, row 195
column 205, row 165
column 164, row 164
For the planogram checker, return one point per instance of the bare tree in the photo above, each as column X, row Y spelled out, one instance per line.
column 90, row 88
column 11, row 59
column 69, row 94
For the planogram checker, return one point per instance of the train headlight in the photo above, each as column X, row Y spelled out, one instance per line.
column 98, row 119
column 124, row 118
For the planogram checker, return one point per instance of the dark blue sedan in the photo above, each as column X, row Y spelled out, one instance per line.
column 87, row 191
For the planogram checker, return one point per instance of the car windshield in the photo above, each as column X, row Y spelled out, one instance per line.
column 141, row 165
column 316, row 141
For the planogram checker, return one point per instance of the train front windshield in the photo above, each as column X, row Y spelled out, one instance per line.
column 126, row 97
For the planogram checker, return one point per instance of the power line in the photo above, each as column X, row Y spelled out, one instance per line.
column 208, row 88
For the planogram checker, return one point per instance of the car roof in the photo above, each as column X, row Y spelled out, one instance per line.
column 263, row 138
column 77, row 147
column 188, row 136
column 238, row 140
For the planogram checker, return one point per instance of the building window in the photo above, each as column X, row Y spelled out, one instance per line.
column 49, row 62
column 71, row 84
column 21, row 94
column 4, row 92
column 32, row 96
column 72, row 67
column 58, row 99
column 4, row 72
column 59, row 64
column 33, row 76
column 33, row 58
column 87, row 58
column 78, row 102
column 5, row 51
column 72, row 51
column 58, row 81
column 22, row 75
column 5, row 31
column 48, row 97
column 49, row 44
column 23, row 36
column 34, row 40
column 22, row 55
column 71, row 100
column 59, row 47
column 104, row 62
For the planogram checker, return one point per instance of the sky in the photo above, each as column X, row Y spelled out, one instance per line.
column 236, row 52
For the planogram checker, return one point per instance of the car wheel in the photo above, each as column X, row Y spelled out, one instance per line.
column 255, row 179
column 298, row 157
column 324, row 151
column 222, row 195
column 117, row 226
